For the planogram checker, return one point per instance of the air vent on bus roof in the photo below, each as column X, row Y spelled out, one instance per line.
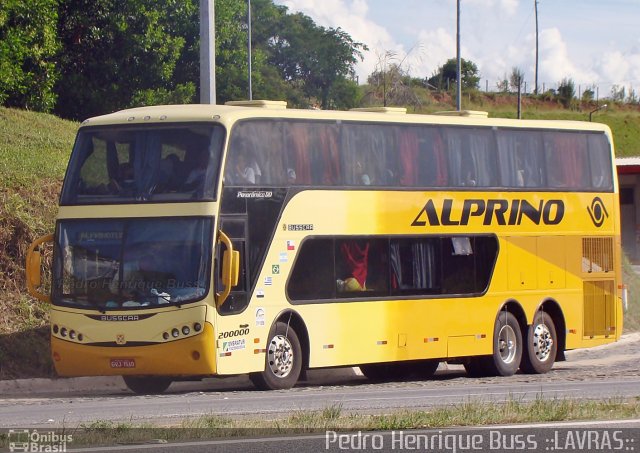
column 465, row 113
column 259, row 103
column 400, row 110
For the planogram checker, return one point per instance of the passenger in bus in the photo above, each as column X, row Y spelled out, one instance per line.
column 123, row 182
column 169, row 173
column 355, row 256
column 244, row 172
column 291, row 176
column 361, row 176
column 195, row 178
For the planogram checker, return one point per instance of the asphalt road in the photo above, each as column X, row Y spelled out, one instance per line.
column 605, row 372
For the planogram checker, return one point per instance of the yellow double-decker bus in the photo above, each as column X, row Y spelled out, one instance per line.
column 204, row 240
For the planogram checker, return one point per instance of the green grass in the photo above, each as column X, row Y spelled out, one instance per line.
column 34, row 150
column 334, row 418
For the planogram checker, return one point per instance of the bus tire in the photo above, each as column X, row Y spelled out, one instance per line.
column 384, row 372
column 283, row 362
column 541, row 345
column 507, row 346
column 425, row 369
column 477, row 366
column 147, row 385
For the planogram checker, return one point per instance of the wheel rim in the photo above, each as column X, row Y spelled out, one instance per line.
column 507, row 344
column 542, row 342
column 280, row 356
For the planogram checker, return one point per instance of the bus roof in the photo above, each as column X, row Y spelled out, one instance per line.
column 227, row 114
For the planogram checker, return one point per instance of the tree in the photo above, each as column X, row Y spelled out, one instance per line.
column 447, row 75
column 28, row 45
column 566, row 92
column 390, row 83
column 115, row 53
column 313, row 58
column 588, row 95
column 516, row 79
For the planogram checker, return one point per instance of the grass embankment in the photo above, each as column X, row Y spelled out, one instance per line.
column 34, row 151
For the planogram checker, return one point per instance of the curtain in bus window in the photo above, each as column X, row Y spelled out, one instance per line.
column 520, row 156
column 408, row 152
column 355, row 146
column 432, row 162
column 298, row 159
column 482, row 150
column 327, row 138
column 424, row 263
column 383, row 146
column 145, row 164
column 600, row 162
column 270, row 153
column 471, row 157
column 567, row 160
column 413, row 264
column 454, row 145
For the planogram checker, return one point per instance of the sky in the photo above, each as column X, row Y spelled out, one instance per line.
column 596, row 43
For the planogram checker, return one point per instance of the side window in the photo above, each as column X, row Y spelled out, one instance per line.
column 600, row 162
column 256, row 155
column 431, row 162
column 567, row 163
column 329, row 269
column 521, row 158
column 313, row 155
column 313, row 277
column 416, row 266
column 467, row 263
column 357, row 147
column 472, row 157
column 361, row 267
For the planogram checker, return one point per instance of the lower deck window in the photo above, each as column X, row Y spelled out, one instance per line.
column 330, row 268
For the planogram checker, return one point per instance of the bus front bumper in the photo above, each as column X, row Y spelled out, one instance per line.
column 193, row 356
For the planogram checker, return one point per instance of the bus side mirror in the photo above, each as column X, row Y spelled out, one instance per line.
column 230, row 268
column 34, row 267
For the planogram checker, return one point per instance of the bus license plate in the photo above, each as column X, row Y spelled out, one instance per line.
column 123, row 363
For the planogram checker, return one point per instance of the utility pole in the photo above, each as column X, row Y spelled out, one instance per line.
column 459, row 68
column 249, row 47
column 207, row 52
column 535, row 2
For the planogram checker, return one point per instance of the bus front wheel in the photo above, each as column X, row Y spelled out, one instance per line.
column 147, row 385
column 541, row 345
column 283, row 363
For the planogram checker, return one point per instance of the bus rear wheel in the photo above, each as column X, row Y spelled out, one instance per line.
column 541, row 345
column 283, row 363
column 147, row 385
column 507, row 347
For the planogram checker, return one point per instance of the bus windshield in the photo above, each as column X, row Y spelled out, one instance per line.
column 136, row 164
column 129, row 263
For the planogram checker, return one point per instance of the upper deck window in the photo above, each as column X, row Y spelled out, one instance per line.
column 122, row 164
column 286, row 152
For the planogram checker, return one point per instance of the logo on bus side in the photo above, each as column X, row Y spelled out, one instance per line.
column 491, row 211
column 598, row 212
